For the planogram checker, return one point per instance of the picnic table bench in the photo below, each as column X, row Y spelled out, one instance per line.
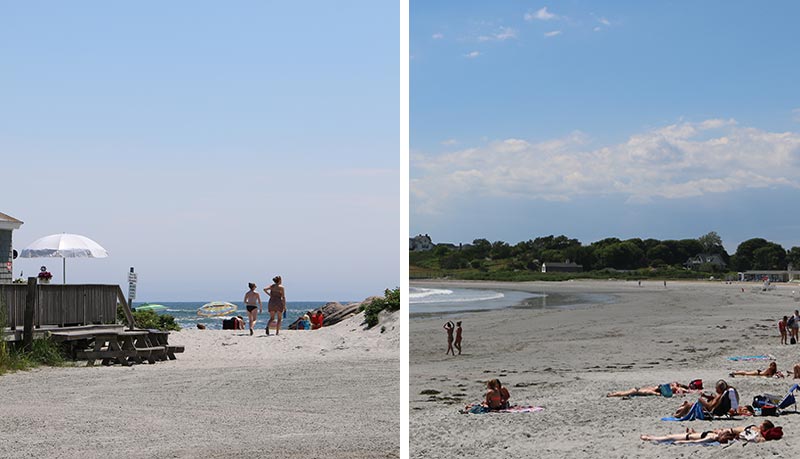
column 161, row 338
column 111, row 346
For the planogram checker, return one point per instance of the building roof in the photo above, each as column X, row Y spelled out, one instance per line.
column 8, row 222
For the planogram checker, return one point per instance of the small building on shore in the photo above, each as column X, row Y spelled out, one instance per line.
column 772, row 276
column 7, row 225
column 568, row 267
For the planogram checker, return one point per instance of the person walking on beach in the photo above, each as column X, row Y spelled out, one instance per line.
column 277, row 302
column 457, row 342
column 795, row 326
column 449, row 327
column 782, row 329
column 252, row 301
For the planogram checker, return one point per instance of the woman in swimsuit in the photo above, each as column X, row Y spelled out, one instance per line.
column 496, row 396
column 772, row 370
column 277, row 302
column 457, row 342
column 251, row 299
column 449, row 327
column 749, row 433
column 677, row 388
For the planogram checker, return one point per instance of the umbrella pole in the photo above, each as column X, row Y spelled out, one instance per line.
column 64, row 271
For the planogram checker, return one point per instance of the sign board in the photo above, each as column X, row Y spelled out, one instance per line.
column 132, row 292
column 132, row 277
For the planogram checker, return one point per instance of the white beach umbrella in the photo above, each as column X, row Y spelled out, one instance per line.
column 64, row 246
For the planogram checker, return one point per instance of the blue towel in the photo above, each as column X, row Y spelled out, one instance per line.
column 751, row 357
column 695, row 413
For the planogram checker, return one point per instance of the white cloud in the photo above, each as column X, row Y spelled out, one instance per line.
column 604, row 21
column 675, row 161
column 553, row 33
column 449, row 142
column 542, row 15
column 437, row 36
column 472, row 54
column 503, row 34
column 597, row 29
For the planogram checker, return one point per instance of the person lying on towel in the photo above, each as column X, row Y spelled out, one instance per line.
column 771, row 371
column 725, row 401
column 764, row 432
column 675, row 387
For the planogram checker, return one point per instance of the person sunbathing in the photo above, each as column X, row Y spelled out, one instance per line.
column 725, row 401
column 496, row 396
column 677, row 388
column 771, row 371
column 765, row 431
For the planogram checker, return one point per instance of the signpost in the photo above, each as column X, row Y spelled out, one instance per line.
column 131, row 290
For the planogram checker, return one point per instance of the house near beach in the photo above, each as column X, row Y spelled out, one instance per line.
column 420, row 243
column 698, row 261
column 7, row 226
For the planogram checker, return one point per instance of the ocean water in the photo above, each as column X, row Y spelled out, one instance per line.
column 444, row 300
column 185, row 313
column 426, row 300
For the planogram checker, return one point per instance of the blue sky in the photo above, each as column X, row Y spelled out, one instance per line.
column 207, row 144
column 597, row 119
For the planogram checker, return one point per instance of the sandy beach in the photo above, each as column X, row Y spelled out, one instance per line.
column 568, row 360
column 329, row 393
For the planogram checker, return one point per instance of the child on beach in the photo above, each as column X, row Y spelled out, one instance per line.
column 782, row 329
column 457, row 342
column 449, row 327
column 305, row 323
column 251, row 299
column 317, row 319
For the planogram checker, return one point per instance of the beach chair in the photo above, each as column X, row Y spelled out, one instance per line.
column 787, row 400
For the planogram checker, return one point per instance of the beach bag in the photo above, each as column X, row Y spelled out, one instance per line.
column 696, row 384
column 227, row 324
column 793, row 341
column 665, row 389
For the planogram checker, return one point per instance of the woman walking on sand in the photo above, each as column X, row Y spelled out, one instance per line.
column 251, row 299
column 277, row 302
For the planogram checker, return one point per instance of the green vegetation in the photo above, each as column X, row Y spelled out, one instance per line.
column 607, row 258
column 14, row 358
column 149, row 319
column 389, row 302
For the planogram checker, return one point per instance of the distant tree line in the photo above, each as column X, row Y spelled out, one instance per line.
column 629, row 254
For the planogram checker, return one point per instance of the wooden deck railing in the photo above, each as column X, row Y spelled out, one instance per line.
column 62, row 305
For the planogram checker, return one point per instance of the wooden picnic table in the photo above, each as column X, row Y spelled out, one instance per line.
column 111, row 346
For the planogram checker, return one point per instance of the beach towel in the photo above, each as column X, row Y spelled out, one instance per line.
column 695, row 413
column 477, row 408
column 745, row 358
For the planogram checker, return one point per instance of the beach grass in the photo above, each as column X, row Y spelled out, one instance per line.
column 389, row 302
column 14, row 358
